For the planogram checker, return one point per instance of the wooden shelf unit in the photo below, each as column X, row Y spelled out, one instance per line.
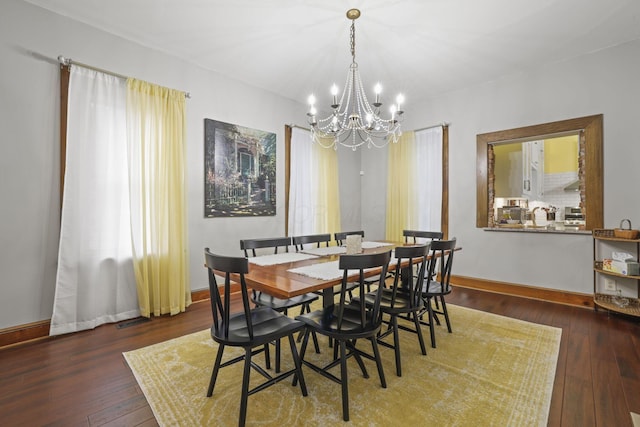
column 608, row 301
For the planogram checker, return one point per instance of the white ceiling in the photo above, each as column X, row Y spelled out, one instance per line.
column 418, row 47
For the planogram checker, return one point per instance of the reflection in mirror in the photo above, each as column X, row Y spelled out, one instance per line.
column 541, row 176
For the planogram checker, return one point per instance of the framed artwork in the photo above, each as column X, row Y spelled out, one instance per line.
column 239, row 171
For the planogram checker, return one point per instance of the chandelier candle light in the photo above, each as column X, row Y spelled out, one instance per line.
column 354, row 121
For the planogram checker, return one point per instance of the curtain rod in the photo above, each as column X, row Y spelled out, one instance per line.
column 443, row 124
column 299, row 127
column 68, row 61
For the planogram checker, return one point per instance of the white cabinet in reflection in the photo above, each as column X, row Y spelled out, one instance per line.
column 533, row 169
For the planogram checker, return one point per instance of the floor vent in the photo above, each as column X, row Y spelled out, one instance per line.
column 132, row 322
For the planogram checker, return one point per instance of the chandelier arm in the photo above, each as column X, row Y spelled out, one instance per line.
column 363, row 102
column 350, row 135
column 346, row 92
column 316, row 137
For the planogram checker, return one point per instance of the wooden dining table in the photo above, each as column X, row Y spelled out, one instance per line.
column 278, row 281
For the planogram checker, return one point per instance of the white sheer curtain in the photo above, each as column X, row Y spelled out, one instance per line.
column 429, row 178
column 314, row 202
column 95, row 283
column 302, row 188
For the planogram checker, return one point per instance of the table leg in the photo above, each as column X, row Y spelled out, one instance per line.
column 327, row 297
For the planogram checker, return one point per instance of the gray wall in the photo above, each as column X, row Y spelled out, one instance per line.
column 603, row 82
column 31, row 38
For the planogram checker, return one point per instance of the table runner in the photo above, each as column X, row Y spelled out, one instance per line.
column 327, row 270
column 282, row 258
column 321, row 270
column 337, row 250
column 330, row 250
column 371, row 245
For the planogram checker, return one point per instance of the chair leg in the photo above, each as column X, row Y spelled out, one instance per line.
column 431, row 325
column 267, row 356
column 303, row 350
column 389, row 326
column 356, row 355
column 435, row 313
column 376, row 353
column 245, row 388
column 315, row 342
column 344, row 380
column 277, row 356
column 446, row 313
column 431, row 302
column 298, row 365
column 416, row 322
column 216, row 368
column 396, row 344
column 305, row 308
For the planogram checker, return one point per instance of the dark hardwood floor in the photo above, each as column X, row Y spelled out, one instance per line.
column 82, row 378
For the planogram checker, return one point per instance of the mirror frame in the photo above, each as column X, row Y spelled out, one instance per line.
column 593, row 165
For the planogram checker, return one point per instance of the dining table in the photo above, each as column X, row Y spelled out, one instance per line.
column 289, row 274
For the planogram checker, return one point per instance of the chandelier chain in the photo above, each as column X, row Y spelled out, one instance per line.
column 353, row 40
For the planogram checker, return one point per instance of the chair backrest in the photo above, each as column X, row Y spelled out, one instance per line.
column 404, row 281
column 300, row 241
column 350, row 264
column 339, row 237
column 441, row 261
column 250, row 245
column 221, row 306
column 413, row 235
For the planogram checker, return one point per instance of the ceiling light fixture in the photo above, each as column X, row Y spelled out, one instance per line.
column 354, row 121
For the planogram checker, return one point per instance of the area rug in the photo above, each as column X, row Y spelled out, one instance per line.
column 491, row 371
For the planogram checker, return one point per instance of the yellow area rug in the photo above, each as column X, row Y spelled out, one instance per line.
column 491, row 371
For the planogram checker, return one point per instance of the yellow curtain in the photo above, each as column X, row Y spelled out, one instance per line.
column 401, row 209
column 328, row 216
column 156, row 139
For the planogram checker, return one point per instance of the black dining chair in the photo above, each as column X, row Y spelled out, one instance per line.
column 249, row 246
column 263, row 299
column 403, row 298
column 439, row 264
column 341, row 238
column 348, row 322
column 317, row 239
column 412, row 236
column 251, row 329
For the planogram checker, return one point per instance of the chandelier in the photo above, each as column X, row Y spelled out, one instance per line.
column 354, row 121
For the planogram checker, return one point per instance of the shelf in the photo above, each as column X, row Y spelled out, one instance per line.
column 607, row 234
column 616, row 239
column 607, row 301
column 611, row 273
